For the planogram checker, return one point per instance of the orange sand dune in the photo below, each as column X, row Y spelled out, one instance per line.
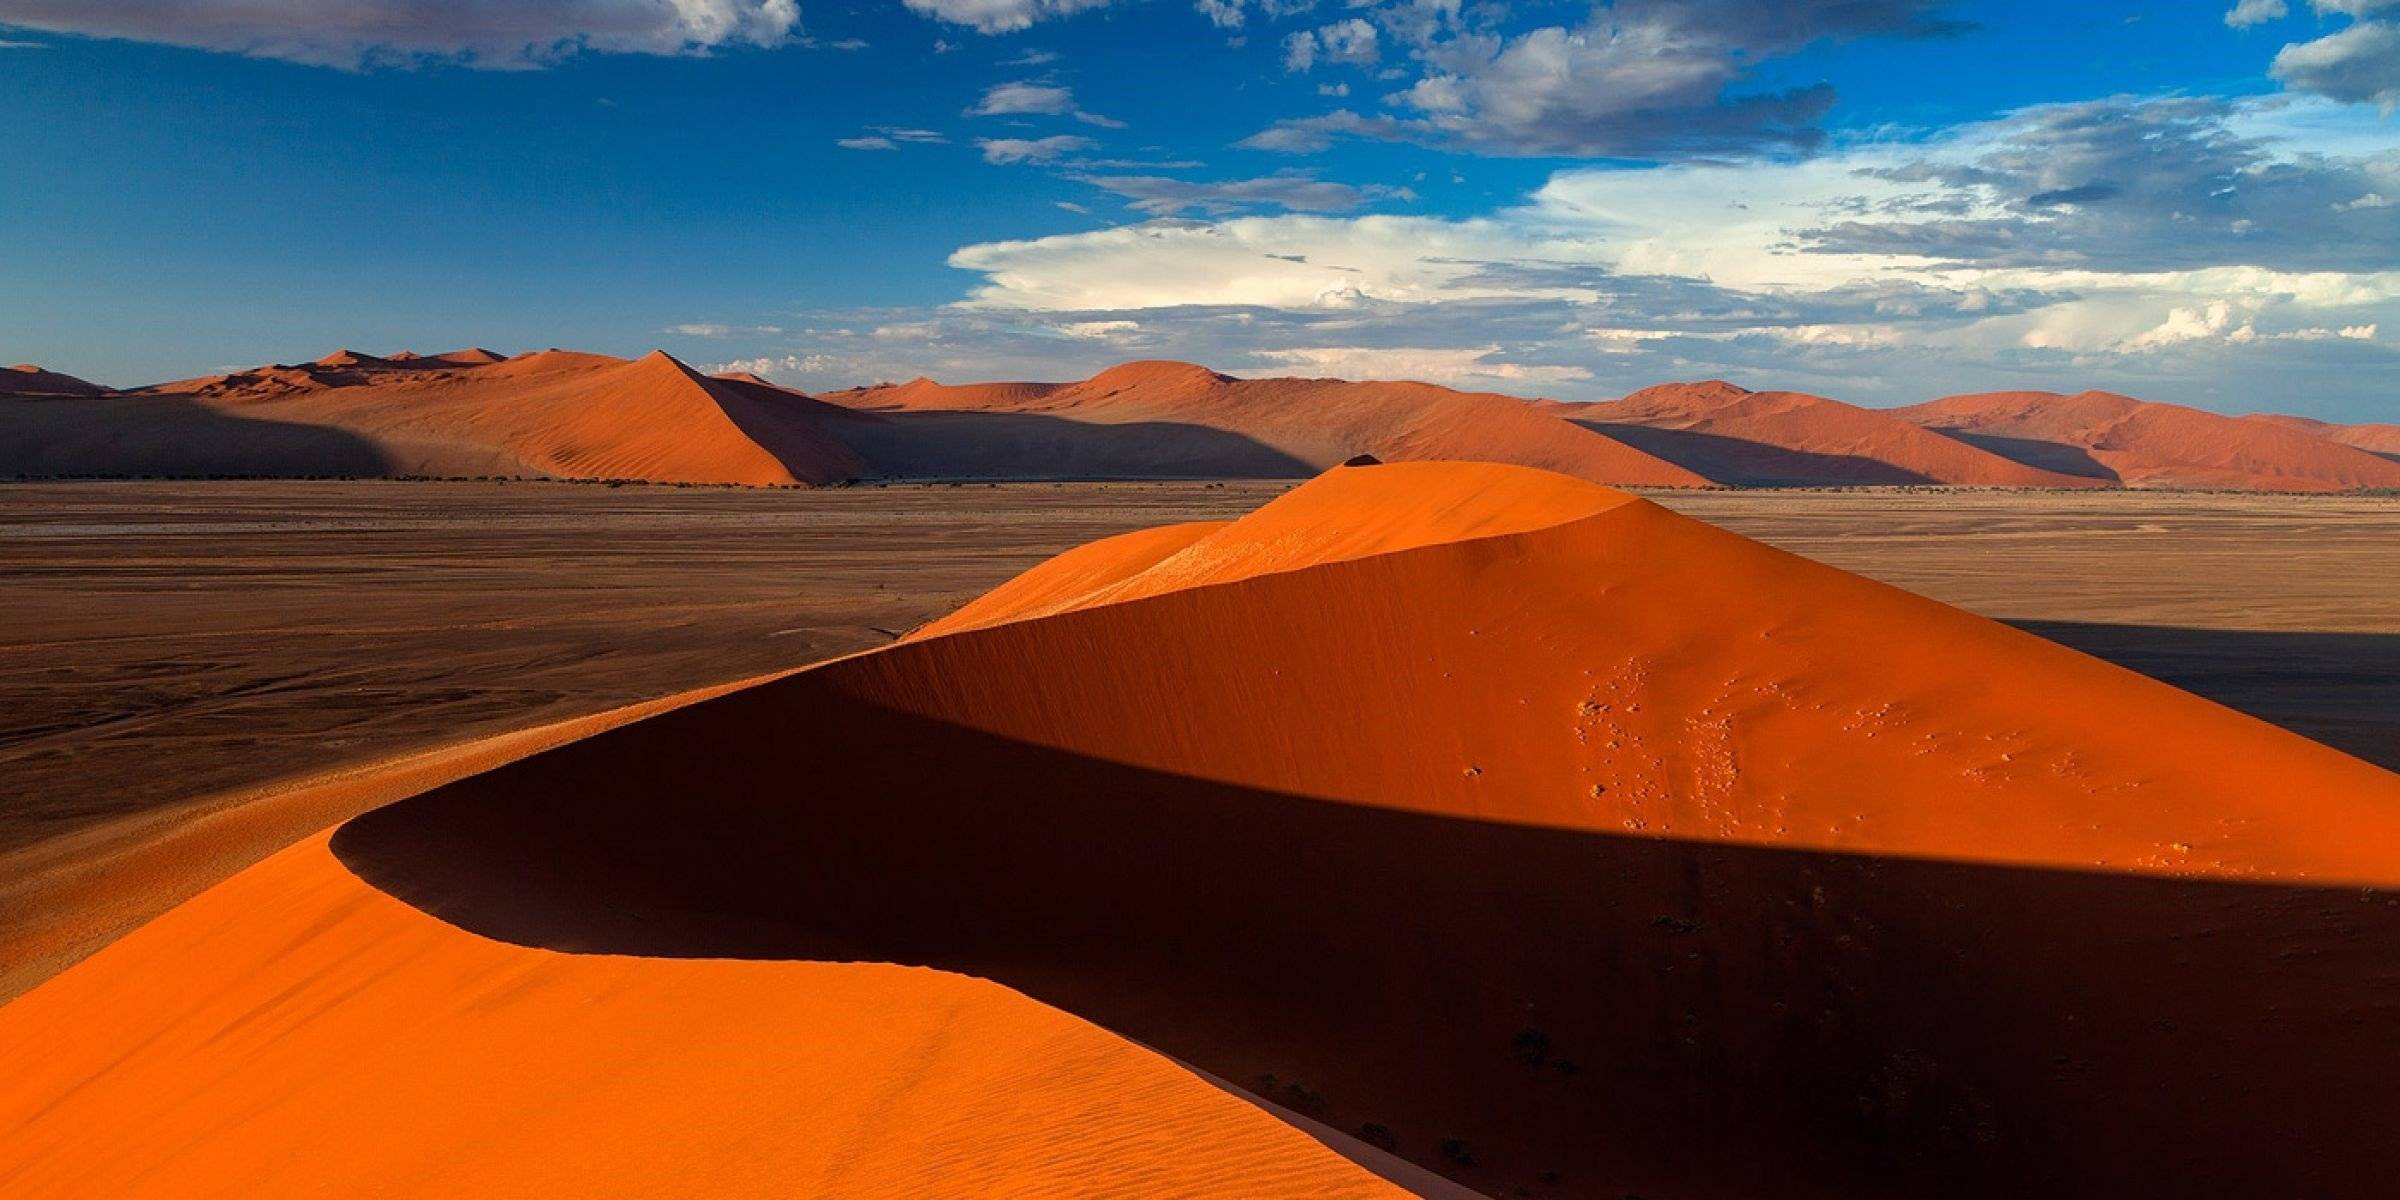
column 1551, row 839
column 556, row 413
column 1737, row 436
column 26, row 379
column 1167, row 418
column 2138, row 443
column 393, row 1055
column 2378, row 439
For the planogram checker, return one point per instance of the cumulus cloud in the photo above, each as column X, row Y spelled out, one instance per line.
column 359, row 33
column 1232, row 14
column 2255, row 12
column 1639, row 79
column 2123, row 184
column 1352, row 42
column 866, row 143
column 2176, row 248
column 1163, row 196
column 1036, row 100
column 2359, row 65
column 1000, row 16
column 1032, row 150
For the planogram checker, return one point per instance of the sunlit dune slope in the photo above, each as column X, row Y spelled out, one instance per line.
column 1551, row 839
column 331, row 1040
column 1169, row 418
column 553, row 413
column 2374, row 438
column 2141, row 443
column 1742, row 437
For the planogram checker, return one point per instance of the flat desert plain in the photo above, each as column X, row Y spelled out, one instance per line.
column 180, row 651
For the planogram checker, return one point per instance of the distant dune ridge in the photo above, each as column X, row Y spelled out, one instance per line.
column 563, row 414
column 26, row 379
column 1176, row 418
column 1740, row 437
column 2139, row 443
column 1517, row 825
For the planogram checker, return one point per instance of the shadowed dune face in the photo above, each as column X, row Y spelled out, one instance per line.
column 173, row 436
column 27, row 379
column 1291, row 428
column 1592, row 850
column 1555, row 840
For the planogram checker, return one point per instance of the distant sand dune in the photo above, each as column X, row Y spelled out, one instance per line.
column 572, row 415
column 2140, row 443
column 1790, row 438
column 1547, row 837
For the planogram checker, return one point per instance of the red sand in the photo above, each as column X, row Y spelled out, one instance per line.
column 1736, row 436
column 1188, row 414
column 26, row 379
column 1556, row 840
column 2144, row 444
column 555, row 413
column 2381, row 439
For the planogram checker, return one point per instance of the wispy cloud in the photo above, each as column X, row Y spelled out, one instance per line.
column 360, row 33
column 1032, row 150
column 1000, row 16
column 1036, row 100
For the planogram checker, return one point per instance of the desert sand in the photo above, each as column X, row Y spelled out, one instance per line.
column 1786, row 439
column 26, row 379
column 2374, row 438
column 561, row 414
column 154, row 622
column 2137, row 443
column 555, row 413
column 1149, row 418
column 1556, row 844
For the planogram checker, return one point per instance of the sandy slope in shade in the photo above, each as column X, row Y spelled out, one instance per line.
column 1167, row 417
column 26, row 379
column 553, row 413
column 2146, row 444
column 1742, row 437
column 1560, row 841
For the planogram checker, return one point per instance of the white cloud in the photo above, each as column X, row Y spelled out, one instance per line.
column 2029, row 251
column 709, row 329
column 1036, row 99
column 356, row 33
column 2255, row 12
column 1471, row 366
column 1000, row 16
column 775, row 367
column 1162, row 196
column 1104, row 331
column 2360, row 65
column 1648, row 80
column 1033, row 150
column 866, row 143
column 1352, row 42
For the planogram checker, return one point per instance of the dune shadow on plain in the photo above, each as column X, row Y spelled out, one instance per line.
column 2062, row 457
column 2342, row 689
column 1739, row 462
column 172, row 437
column 958, row 444
column 1572, row 1013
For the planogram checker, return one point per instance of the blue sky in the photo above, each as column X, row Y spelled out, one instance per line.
column 1881, row 200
